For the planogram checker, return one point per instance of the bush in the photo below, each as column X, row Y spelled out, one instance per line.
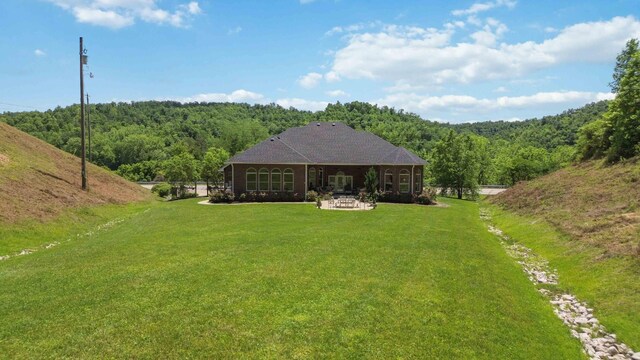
column 163, row 189
column 425, row 198
column 218, row 197
column 327, row 196
column 396, row 197
column 312, row 195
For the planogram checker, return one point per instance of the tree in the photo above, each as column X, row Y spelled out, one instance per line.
column 213, row 160
column 456, row 165
column 624, row 113
column 371, row 182
column 622, row 61
column 516, row 163
column 180, row 170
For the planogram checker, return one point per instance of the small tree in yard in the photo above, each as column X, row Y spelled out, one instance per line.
column 180, row 170
column 371, row 182
column 214, row 159
column 456, row 165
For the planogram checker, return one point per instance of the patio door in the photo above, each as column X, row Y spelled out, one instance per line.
column 341, row 182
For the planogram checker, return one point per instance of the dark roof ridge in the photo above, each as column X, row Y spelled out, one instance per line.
column 290, row 147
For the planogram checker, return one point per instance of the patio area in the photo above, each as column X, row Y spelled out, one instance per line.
column 346, row 203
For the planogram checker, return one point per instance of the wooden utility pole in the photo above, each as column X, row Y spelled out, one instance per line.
column 82, row 144
column 89, row 127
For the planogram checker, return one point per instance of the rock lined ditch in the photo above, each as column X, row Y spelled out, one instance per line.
column 90, row 233
column 597, row 343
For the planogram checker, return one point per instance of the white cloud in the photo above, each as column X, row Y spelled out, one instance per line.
column 39, row 53
column 235, row 30
column 457, row 104
column 117, row 14
column 337, row 93
column 310, row 80
column 193, row 8
column 331, row 76
column 352, row 28
column 235, row 96
column 302, row 104
column 481, row 7
column 425, row 56
column 500, row 89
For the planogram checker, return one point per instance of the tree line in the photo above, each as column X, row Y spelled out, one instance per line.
column 142, row 140
column 462, row 161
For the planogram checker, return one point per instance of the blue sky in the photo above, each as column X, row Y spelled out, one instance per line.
column 455, row 61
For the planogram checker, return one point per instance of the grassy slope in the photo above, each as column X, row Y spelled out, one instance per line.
column 40, row 182
column 184, row 280
column 584, row 219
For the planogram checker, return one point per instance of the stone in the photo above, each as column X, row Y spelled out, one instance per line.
column 636, row 356
column 612, row 350
column 581, row 320
column 585, row 338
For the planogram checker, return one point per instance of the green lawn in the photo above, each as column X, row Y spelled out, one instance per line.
column 279, row 281
column 609, row 284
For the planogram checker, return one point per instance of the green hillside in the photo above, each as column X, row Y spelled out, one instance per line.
column 585, row 219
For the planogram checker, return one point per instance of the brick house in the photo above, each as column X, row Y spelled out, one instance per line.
column 323, row 156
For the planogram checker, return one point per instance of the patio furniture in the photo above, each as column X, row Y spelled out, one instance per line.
column 345, row 202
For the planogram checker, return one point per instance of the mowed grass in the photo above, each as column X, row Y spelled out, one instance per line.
column 34, row 234
column 279, row 281
column 610, row 284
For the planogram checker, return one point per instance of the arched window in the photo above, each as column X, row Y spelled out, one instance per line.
column 405, row 179
column 417, row 182
column 263, row 180
column 287, row 176
column 276, row 180
column 388, row 180
column 252, row 179
column 312, row 178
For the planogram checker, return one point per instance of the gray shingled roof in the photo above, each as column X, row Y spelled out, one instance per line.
column 327, row 143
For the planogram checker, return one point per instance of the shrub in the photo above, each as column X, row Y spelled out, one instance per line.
column 424, row 198
column 327, row 196
column 163, row 189
column 396, row 197
column 242, row 197
column 312, row 195
column 319, row 202
column 221, row 197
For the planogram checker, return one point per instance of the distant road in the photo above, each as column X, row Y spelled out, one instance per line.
column 491, row 191
column 202, row 189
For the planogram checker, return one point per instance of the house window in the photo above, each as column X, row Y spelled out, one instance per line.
column 312, row 178
column 252, row 179
column 263, row 180
column 288, row 180
column 417, row 182
column 405, row 178
column 321, row 177
column 276, row 180
column 388, row 180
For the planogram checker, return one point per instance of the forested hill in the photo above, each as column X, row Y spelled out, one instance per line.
column 548, row 132
column 150, row 132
